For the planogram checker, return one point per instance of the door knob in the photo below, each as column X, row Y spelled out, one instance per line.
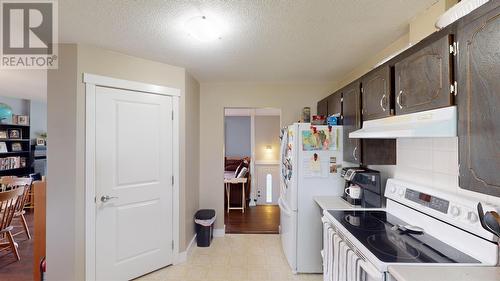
column 106, row 198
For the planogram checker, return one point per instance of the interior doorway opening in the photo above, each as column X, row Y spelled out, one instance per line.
column 251, row 170
column 23, row 166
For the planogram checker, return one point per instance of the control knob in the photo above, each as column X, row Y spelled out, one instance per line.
column 472, row 217
column 401, row 192
column 455, row 211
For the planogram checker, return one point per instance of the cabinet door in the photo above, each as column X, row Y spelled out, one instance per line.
column 376, row 93
column 423, row 79
column 478, row 98
column 335, row 103
column 352, row 121
column 322, row 107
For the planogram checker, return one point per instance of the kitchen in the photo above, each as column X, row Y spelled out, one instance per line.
column 390, row 174
column 420, row 153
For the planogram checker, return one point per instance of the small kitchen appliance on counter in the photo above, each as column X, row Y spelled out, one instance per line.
column 362, row 187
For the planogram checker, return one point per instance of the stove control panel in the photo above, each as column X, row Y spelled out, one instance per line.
column 460, row 211
column 429, row 201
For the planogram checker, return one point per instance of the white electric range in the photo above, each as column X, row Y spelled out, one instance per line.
column 359, row 245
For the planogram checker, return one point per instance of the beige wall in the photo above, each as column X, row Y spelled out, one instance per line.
column 267, row 132
column 424, row 23
column 191, row 134
column 62, row 166
column 290, row 98
column 418, row 28
column 70, row 111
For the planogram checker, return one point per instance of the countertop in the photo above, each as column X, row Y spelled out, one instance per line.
column 333, row 202
column 444, row 273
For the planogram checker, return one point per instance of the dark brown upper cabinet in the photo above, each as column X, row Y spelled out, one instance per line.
column 423, row 78
column 352, row 121
column 478, row 99
column 335, row 103
column 376, row 93
column 322, row 107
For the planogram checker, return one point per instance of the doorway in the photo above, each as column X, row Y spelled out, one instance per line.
column 23, row 132
column 251, row 169
column 130, row 224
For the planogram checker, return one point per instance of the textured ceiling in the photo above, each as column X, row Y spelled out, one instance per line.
column 266, row 40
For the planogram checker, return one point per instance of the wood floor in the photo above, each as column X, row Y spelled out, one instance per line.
column 12, row 270
column 259, row 219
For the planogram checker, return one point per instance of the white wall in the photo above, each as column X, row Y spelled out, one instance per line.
column 38, row 118
column 214, row 97
column 431, row 162
column 18, row 106
column 237, row 136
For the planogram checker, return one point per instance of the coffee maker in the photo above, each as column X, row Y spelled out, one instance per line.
column 365, row 184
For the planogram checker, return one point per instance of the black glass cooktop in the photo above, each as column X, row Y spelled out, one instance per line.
column 374, row 229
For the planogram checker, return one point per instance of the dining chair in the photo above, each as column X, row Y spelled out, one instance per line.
column 5, row 180
column 13, row 183
column 10, row 202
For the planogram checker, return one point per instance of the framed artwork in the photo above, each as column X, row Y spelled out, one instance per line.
column 3, row 147
column 15, row 134
column 40, row 141
column 23, row 120
column 3, row 134
column 16, row 146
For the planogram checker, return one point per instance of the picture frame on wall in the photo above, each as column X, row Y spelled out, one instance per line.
column 3, row 134
column 3, row 147
column 16, row 146
column 23, row 120
column 40, row 141
column 15, row 134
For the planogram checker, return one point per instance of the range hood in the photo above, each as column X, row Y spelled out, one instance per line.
column 436, row 123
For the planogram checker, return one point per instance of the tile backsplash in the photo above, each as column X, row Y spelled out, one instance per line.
column 432, row 162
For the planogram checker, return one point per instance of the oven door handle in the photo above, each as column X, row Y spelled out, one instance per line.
column 368, row 269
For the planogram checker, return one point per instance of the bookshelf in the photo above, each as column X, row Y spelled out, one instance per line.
column 16, row 161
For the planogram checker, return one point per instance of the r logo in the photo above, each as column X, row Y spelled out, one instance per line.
column 27, row 28
column 29, row 34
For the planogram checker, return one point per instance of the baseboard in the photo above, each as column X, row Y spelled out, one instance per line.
column 182, row 256
column 220, row 232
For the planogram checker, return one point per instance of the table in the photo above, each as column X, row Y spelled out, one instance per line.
column 227, row 183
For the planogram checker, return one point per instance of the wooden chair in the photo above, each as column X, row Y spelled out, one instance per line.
column 13, row 183
column 5, row 180
column 39, row 187
column 10, row 202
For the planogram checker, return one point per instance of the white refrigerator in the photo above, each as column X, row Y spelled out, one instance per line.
column 311, row 159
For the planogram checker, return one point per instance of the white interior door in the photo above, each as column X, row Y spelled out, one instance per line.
column 134, row 168
column 268, row 184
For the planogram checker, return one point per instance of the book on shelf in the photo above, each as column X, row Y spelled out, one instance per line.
column 9, row 163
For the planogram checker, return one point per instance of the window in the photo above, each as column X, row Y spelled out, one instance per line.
column 269, row 188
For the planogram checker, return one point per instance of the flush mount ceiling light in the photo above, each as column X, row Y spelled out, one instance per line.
column 203, row 28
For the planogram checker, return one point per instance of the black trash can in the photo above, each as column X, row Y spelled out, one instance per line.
column 204, row 220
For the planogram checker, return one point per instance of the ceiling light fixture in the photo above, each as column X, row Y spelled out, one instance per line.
column 203, row 28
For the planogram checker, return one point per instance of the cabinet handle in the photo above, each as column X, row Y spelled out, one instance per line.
column 354, row 153
column 382, row 102
column 398, row 100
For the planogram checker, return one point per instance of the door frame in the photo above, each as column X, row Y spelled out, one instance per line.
column 91, row 82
